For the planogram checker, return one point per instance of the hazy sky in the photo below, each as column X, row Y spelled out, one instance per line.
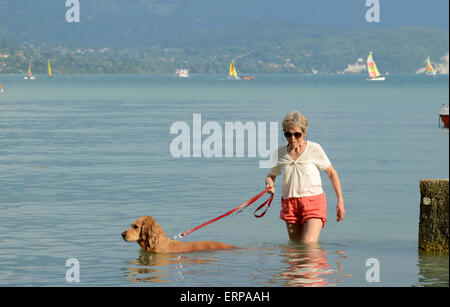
column 346, row 13
column 428, row 13
column 136, row 19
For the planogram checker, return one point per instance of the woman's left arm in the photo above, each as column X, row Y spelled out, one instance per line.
column 334, row 178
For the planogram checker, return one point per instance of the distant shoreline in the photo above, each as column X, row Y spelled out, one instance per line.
column 257, row 50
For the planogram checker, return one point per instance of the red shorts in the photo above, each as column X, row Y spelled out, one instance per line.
column 298, row 210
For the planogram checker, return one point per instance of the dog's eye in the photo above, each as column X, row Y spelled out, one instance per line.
column 135, row 226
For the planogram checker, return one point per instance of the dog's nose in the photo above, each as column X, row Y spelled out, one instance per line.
column 123, row 234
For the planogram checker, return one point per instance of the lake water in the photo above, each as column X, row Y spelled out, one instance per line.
column 81, row 157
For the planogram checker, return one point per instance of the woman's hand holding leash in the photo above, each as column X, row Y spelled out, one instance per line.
column 269, row 184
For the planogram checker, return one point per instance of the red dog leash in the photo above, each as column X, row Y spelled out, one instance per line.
column 241, row 208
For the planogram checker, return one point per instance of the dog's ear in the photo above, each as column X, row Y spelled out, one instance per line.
column 151, row 232
column 145, row 232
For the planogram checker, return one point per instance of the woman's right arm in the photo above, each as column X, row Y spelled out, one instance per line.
column 274, row 172
column 270, row 180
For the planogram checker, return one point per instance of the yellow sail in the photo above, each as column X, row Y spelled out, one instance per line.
column 429, row 68
column 372, row 67
column 233, row 72
column 49, row 70
column 29, row 70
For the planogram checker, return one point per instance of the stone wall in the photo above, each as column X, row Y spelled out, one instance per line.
column 434, row 215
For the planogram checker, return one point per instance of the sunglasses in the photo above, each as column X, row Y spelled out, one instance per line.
column 297, row 135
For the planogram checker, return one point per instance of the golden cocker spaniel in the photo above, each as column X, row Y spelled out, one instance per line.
column 152, row 238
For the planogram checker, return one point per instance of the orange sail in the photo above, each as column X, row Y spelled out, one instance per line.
column 29, row 76
column 233, row 72
column 372, row 67
column 429, row 68
column 49, row 70
column 374, row 73
column 29, row 70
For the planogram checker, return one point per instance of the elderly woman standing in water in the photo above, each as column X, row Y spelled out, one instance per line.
column 304, row 204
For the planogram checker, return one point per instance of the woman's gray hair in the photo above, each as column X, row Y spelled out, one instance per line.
column 295, row 119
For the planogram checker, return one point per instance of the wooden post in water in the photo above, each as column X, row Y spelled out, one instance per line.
column 433, row 220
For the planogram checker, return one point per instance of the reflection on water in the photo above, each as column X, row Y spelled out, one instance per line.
column 160, row 268
column 433, row 270
column 308, row 266
column 300, row 265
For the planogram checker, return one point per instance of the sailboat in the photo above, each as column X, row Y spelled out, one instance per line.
column 49, row 70
column 1, row 88
column 429, row 70
column 233, row 73
column 374, row 73
column 443, row 114
column 29, row 76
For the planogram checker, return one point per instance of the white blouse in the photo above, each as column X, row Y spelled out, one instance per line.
column 301, row 176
